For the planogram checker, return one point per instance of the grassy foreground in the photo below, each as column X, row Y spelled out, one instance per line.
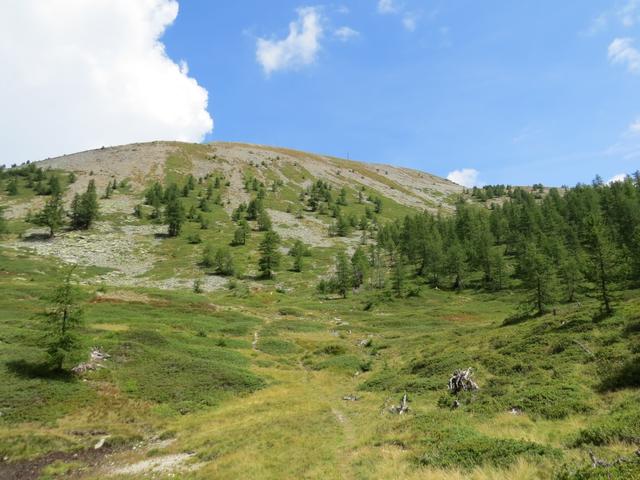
column 251, row 384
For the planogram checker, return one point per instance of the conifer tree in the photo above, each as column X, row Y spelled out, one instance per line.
column 264, row 221
column 254, row 208
column 298, row 260
column 61, row 320
column 456, row 265
column 4, row 228
column 51, row 216
column 538, row 279
column 378, row 270
column 398, row 275
column 360, row 266
column 269, row 255
column 571, row 275
column 344, row 277
column 377, row 202
column 12, row 187
column 433, row 257
column 156, row 205
column 84, row 208
column 342, row 197
column 498, row 269
column 241, row 233
column 342, row 227
column 175, row 216
column 603, row 261
column 223, row 262
column 204, row 205
column 55, row 189
column 208, row 256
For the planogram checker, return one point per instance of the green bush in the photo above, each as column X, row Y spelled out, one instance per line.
column 459, row 446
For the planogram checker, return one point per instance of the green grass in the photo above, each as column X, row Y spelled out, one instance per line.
column 184, row 365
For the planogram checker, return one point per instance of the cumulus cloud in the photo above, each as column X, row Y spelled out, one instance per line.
column 346, row 33
column 467, row 177
column 617, row 178
column 300, row 48
column 622, row 51
column 78, row 75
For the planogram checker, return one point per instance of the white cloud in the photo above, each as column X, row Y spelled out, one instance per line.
column 346, row 33
column 629, row 13
column 634, row 128
column 617, row 178
column 622, row 51
column 299, row 49
column 410, row 22
column 524, row 135
column 625, row 15
column 467, row 177
column 387, row 6
column 409, row 19
column 79, row 75
column 598, row 24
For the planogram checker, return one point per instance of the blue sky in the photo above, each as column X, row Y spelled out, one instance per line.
column 521, row 92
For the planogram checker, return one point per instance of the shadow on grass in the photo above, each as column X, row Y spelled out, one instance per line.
column 626, row 377
column 161, row 236
column 518, row 318
column 601, row 315
column 37, row 237
column 43, row 370
column 632, row 328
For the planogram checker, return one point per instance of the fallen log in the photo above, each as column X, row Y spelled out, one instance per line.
column 96, row 357
column 461, row 381
column 402, row 408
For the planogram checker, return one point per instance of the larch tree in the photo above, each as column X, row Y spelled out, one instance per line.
column 269, row 260
column 62, row 320
column 51, row 216
column 538, row 279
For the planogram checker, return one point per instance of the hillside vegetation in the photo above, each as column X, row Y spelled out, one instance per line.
column 264, row 311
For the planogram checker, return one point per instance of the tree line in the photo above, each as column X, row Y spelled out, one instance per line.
column 579, row 241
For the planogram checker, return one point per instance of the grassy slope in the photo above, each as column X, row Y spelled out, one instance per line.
column 183, row 366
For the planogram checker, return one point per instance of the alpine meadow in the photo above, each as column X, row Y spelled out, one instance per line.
column 238, row 311
column 354, row 240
